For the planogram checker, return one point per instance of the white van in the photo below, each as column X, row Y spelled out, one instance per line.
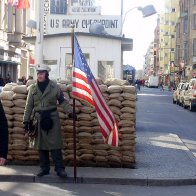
column 153, row 81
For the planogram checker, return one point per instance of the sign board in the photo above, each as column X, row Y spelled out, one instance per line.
column 84, row 10
column 61, row 23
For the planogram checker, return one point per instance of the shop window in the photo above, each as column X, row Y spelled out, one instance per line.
column 105, row 69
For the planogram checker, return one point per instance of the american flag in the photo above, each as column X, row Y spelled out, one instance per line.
column 86, row 88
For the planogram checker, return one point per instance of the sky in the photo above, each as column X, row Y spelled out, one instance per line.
column 140, row 29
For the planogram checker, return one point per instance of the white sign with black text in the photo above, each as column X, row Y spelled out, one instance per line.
column 61, row 23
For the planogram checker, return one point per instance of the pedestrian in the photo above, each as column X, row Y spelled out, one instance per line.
column 3, row 136
column 42, row 104
column 2, row 83
column 161, row 86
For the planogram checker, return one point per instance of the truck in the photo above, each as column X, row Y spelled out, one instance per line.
column 153, row 81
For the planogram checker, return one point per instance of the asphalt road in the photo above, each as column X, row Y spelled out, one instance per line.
column 157, row 113
column 27, row 189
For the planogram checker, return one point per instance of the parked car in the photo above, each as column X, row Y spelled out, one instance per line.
column 182, row 93
column 176, row 93
column 190, row 96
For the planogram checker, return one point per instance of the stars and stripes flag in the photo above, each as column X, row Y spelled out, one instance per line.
column 20, row 4
column 86, row 88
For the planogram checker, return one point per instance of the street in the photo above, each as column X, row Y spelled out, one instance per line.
column 16, row 189
column 155, row 114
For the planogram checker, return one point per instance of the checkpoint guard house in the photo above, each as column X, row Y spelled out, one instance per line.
column 99, row 37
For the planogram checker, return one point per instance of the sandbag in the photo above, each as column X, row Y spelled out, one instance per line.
column 103, row 88
column 115, row 81
column 114, row 89
column 85, row 129
column 99, row 81
column 22, row 89
column 115, row 110
column 129, row 89
column 126, row 123
column 114, row 102
column 18, row 110
column 6, row 95
column 9, row 117
column 127, row 130
column 127, row 116
column 63, row 87
column 129, row 96
column 19, row 96
column 30, row 82
column 128, row 110
column 85, row 123
column 18, row 117
column 128, row 103
column 9, row 86
column 19, row 103
column 7, row 103
column 87, row 110
column 83, row 116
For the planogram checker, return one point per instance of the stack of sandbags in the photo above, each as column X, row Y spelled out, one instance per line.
column 19, row 142
column 122, row 101
column 85, row 136
column 91, row 150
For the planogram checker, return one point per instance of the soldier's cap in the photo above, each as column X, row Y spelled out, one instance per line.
column 42, row 67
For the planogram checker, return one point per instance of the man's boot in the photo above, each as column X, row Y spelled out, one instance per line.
column 44, row 163
column 58, row 161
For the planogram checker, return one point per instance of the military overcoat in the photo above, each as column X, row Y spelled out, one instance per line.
column 37, row 102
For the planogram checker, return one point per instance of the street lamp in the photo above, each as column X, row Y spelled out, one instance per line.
column 146, row 11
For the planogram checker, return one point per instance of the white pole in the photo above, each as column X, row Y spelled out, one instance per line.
column 39, row 5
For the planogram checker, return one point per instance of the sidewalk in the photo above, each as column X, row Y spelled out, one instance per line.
column 162, row 160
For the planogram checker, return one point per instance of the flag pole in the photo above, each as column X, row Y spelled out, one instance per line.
column 74, row 120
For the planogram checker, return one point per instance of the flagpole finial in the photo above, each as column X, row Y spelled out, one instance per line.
column 72, row 26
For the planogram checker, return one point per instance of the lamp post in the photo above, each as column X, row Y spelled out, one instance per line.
column 146, row 11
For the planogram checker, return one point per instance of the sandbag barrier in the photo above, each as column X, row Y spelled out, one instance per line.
column 91, row 150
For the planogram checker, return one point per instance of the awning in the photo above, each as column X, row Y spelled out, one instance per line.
column 9, row 62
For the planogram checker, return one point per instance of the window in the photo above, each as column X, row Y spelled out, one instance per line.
column 194, row 2
column 105, row 69
column 172, row 49
column 173, row 10
column 185, row 52
column 58, row 6
column 172, row 36
column 173, row 23
column 178, row 52
column 194, row 47
column 185, row 27
column 178, row 30
column 194, row 21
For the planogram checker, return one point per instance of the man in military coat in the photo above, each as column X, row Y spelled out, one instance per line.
column 42, row 104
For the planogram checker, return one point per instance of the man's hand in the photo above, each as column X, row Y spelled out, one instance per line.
column 26, row 126
column 2, row 161
column 72, row 116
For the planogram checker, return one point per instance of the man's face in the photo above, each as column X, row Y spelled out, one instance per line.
column 41, row 76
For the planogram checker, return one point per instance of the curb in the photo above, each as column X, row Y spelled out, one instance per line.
column 108, row 181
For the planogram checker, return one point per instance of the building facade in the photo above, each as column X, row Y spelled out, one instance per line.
column 186, row 39
column 168, row 19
